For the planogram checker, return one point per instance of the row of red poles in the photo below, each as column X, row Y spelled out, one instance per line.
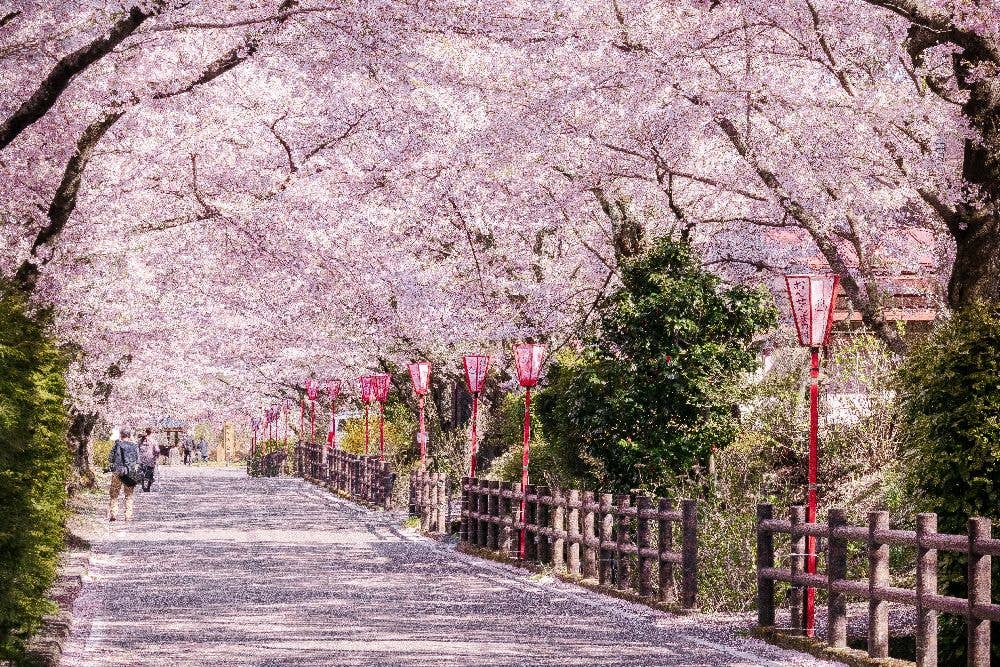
column 528, row 359
column 812, row 299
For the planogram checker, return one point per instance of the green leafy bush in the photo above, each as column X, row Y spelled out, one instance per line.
column 653, row 391
column 950, row 395
column 34, row 464
column 100, row 451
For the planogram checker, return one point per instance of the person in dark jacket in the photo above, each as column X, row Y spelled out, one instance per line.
column 124, row 464
column 148, row 451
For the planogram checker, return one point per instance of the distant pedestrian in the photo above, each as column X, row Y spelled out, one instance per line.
column 148, row 450
column 124, row 464
column 188, row 446
column 203, row 448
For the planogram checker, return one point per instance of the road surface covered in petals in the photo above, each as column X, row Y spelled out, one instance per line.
column 221, row 569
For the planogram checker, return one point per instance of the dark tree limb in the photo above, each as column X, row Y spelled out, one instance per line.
column 66, row 69
column 64, row 201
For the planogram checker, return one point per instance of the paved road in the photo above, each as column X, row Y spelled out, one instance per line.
column 220, row 569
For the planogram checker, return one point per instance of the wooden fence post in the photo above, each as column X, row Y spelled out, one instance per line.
column 493, row 509
column 589, row 533
column 621, row 539
column 979, row 594
column 463, row 532
column 765, row 559
column 573, row 532
column 558, row 524
column 836, row 569
column 484, row 511
column 606, row 560
column 643, row 540
column 878, row 577
column 505, row 515
column 514, row 511
column 542, row 520
column 927, row 619
column 689, row 553
column 442, row 504
column 432, row 501
column 665, row 538
column 797, row 559
column 531, row 509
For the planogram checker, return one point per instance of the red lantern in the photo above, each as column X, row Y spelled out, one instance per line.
column 528, row 359
column 312, row 389
column 420, row 377
column 380, row 387
column 367, row 389
column 476, row 367
column 812, row 299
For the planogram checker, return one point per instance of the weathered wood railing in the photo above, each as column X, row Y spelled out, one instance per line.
column 619, row 541
column 430, row 496
column 364, row 478
column 977, row 609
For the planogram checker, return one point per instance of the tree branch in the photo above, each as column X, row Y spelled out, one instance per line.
column 62, row 74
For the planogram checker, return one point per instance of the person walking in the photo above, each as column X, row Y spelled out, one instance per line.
column 188, row 445
column 203, row 448
column 124, row 464
column 148, row 450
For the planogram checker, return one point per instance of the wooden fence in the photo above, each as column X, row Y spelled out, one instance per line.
column 431, row 499
column 363, row 478
column 977, row 609
column 621, row 541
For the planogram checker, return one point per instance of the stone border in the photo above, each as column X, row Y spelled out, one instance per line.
column 819, row 648
column 44, row 649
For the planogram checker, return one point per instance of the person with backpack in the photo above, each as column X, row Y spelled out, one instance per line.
column 148, row 450
column 124, row 462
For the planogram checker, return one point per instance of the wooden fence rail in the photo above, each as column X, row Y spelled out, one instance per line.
column 977, row 609
column 622, row 541
column 363, row 478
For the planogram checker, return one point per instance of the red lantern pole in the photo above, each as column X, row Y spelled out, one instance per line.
column 476, row 367
column 380, row 390
column 525, row 459
column 528, row 361
column 312, row 421
column 367, row 437
column 423, row 436
column 286, row 410
column 420, row 377
column 381, row 431
column 813, row 299
column 475, row 436
column 367, row 394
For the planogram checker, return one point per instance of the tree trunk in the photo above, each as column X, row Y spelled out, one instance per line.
column 976, row 272
column 80, row 431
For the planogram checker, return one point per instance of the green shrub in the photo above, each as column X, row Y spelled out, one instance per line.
column 950, row 394
column 34, row 464
column 652, row 392
column 100, row 450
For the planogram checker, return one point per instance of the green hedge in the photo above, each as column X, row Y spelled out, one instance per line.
column 950, row 391
column 34, row 463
